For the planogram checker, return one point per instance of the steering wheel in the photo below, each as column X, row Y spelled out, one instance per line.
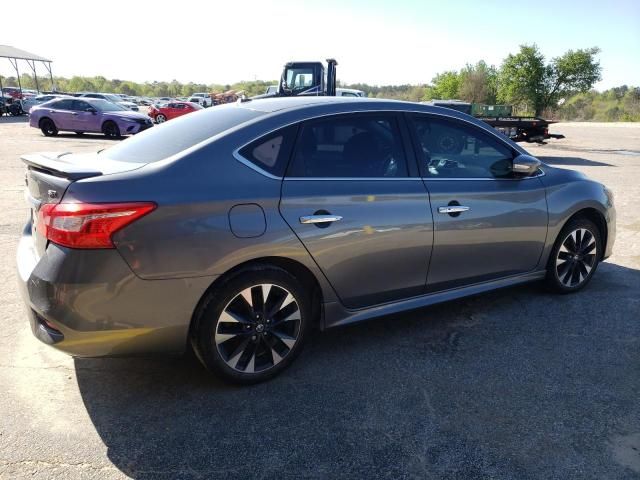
column 389, row 166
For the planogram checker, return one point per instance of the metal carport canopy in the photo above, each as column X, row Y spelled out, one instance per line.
column 15, row 54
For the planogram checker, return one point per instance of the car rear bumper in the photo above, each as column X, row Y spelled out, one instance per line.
column 89, row 302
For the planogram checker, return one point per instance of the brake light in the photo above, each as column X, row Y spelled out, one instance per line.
column 88, row 225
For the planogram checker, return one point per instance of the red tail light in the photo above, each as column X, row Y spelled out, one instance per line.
column 88, row 225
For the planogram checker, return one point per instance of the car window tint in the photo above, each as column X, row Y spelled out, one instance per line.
column 271, row 152
column 80, row 106
column 63, row 105
column 451, row 149
column 347, row 146
column 177, row 135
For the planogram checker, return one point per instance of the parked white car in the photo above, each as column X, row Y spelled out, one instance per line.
column 205, row 99
column 113, row 98
column 349, row 92
column 29, row 102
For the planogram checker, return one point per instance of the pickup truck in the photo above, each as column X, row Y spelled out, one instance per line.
column 203, row 99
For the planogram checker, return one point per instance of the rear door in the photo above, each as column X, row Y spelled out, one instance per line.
column 61, row 112
column 488, row 224
column 352, row 197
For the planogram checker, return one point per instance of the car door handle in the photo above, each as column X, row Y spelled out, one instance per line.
column 74, row 113
column 320, row 218
column 453, row 209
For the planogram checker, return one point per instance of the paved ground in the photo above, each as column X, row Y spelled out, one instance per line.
column 514, row 384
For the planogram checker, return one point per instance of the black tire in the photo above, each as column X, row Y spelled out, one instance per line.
column 48, row 128
column 160, row 118
column 251, row 354
column 110, row 129
column 572, row 268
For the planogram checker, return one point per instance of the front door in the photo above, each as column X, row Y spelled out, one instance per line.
column 351, row 199
column 487, row 223
column 84, row 121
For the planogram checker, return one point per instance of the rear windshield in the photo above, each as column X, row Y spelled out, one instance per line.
column 172, row 137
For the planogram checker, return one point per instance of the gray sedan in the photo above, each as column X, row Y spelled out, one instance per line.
column 236, row 229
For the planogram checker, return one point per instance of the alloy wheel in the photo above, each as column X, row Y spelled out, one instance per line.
column 111, row 130
column 258, row 328
column 576, row 257
column 160, row 119
column 48, row 127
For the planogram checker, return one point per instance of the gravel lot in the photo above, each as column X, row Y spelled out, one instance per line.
column 513, row 384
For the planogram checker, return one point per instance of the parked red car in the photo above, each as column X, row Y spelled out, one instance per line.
column 12, row 92
column 171, row 110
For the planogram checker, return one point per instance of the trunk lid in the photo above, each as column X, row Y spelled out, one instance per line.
column 49, row 175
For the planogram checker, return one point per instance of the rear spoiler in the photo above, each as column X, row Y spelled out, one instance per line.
column 52, row 164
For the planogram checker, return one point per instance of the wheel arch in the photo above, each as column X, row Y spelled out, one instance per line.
column 294, row 267
column 597, row 217
column 43, row 119
column 108, row 120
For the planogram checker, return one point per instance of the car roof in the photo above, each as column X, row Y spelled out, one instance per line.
column 282, row 104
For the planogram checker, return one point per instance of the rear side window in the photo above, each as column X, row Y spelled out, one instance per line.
column 350, row 146
column 184, row 132
column 271, row 153
column 63, row 105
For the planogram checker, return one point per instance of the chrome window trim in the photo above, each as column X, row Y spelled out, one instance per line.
column 236, row 153
column 253, row 166
column 466, row 179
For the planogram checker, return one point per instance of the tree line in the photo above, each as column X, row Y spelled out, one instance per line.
column 560, row 88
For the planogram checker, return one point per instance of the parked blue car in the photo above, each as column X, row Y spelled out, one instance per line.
column 87, row 115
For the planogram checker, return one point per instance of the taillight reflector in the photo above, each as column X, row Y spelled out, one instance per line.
column 88, row 225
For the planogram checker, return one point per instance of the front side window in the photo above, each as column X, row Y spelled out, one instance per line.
column 451, row 149
column 350, row 146
column 80, row 106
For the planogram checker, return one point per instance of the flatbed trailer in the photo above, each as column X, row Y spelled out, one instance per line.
column 523, row 129
column 518, row 129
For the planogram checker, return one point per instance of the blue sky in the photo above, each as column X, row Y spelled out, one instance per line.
column 377, row 42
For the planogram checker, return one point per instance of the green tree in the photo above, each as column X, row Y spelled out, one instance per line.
column 446, row 86
column 526, row 79
column 478, row 83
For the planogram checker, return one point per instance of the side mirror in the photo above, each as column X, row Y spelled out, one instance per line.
column 91, row 110
column 525, row 165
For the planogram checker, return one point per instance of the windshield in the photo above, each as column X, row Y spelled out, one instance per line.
column 163, row 141
column 105, row 106
column 113, row 98
column 298, row 79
